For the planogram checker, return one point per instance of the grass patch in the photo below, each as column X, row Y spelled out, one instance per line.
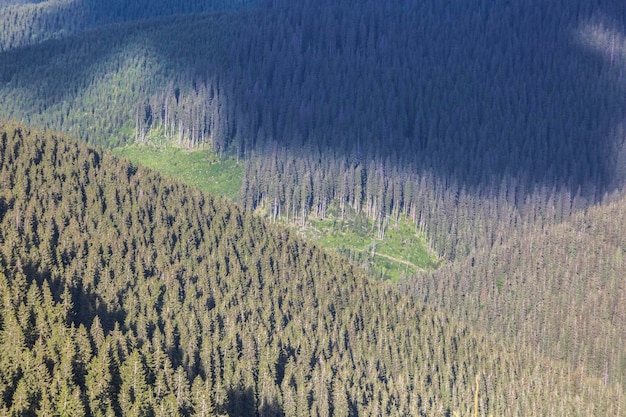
column 199, row 168
column 403, row 251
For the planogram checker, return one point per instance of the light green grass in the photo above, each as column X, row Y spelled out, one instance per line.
column 402, row 252
column 199, row 168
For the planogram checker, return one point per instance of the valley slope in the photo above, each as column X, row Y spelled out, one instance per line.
column 126, row 293
column 492, row 130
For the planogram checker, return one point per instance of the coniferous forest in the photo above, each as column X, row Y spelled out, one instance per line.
column 495, row 128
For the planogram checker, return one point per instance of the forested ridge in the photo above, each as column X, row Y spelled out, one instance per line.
column 496, row 127
column 124, row 293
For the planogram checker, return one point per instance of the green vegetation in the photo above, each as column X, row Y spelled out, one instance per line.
column 200, row 168
column 401, row 253
column 499, row 139
column 125, row 293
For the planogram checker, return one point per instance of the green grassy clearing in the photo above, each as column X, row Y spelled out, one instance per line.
column 403, row 251
column 199, row 168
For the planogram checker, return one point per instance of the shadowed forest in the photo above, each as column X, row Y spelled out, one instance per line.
column 496, row 129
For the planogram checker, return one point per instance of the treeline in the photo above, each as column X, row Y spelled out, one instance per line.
column 26, row 22
column 124, row 293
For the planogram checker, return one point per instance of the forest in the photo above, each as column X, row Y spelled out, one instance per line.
column 494, row 128
column 124, row 293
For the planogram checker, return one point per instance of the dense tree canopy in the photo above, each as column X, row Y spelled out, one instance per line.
column 124, row 293
column 381, row 106
column 28, row 22
column 495, row 126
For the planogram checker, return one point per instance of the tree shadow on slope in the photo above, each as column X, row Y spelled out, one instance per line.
column 471, row 93
column 241, row 402
column 83, row 305
column 30, row 22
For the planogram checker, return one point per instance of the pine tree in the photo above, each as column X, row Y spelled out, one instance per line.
column 135, row 395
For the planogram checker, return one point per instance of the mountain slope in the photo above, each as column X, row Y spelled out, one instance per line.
column 126, row 293
column 455, row 88
column 493, row 126
column 390, row 107
column 26, row 22
column 559, row 287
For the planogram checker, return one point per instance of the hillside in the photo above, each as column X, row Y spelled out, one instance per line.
column 28, row 22
column 559, row 288
column 486, row 139
column 390, row 107
column 123, row 292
